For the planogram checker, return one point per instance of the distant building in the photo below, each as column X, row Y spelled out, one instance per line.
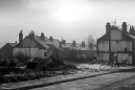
column 7, row 49
column 78, row 53
column 78, row 46
column 122, row 45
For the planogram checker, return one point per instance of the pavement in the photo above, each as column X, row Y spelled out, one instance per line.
column 125, row 84
column 102, row 82
column 80, row 75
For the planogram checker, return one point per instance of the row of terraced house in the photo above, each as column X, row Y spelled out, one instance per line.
column 35, row 46
column 117, row 41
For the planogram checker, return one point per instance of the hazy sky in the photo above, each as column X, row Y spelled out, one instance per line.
column 70, row 19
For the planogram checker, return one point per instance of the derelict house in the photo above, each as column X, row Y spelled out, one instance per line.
column 117, row 42
column 31, row 46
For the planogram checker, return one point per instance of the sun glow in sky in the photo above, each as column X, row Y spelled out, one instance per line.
column 64, row 11
column 70, row 11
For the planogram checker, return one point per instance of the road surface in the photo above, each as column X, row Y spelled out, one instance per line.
column 115, row 81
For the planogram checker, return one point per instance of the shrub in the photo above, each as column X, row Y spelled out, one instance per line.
column 22, row 58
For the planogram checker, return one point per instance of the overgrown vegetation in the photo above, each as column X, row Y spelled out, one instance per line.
column 21, row 68
column 79, row 56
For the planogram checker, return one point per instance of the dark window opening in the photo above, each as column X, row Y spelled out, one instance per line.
column 126, row 50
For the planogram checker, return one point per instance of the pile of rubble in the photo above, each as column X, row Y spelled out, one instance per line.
column 94, row 67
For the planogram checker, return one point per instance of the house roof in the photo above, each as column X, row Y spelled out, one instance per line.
column 12, row 44
column 37, row 40
column 54, row 42
column 45, row 43
column 106, row 36
column 41, row 42
column 131, row 36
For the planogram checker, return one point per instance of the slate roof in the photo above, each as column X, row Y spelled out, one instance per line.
column 12, row 44
column 44, row 43
column 106, row 36
column 41, row 42
column 131, row 36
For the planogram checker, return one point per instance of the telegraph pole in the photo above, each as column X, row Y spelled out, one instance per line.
column 110, row 51
column 108, row 31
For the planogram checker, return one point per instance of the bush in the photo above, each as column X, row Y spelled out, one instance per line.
column 22, row 58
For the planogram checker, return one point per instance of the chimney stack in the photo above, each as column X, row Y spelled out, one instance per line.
column 32, row 34
column 124, row 27
column 108, row 27
column 20, row 36
column 42, row 36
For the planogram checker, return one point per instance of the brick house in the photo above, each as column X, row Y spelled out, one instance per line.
column 32, row 46
column 122, row 44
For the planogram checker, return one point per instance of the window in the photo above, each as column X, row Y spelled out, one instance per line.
column 125, row 49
